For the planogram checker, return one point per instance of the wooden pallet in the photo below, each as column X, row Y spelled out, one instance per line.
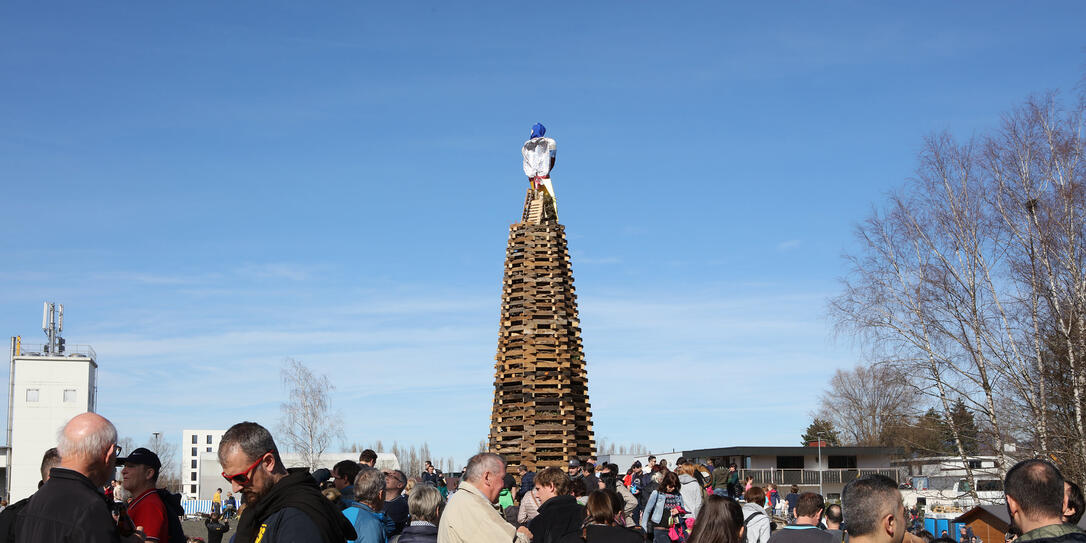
column 541, row 415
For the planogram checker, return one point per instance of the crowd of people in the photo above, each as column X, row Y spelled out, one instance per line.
column 583, row 503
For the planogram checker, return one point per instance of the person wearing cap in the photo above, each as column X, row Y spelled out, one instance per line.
column 139, row 477
column 575, row 469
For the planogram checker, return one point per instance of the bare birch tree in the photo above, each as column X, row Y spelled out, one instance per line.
column 307, row 423
column 972, row 281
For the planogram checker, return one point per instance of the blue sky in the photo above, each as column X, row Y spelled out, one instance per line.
column 211, row 188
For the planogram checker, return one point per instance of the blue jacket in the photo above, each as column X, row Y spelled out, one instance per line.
column 369, row 525
column 654, row 508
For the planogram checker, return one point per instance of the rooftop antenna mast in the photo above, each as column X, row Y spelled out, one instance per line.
column 52, row 323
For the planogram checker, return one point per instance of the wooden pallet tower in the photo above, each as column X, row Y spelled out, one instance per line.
column 541, row 414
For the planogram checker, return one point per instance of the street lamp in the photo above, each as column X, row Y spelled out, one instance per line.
column 818, row 435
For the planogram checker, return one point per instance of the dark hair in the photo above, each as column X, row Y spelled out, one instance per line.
column 348, row 469
column 795, row 489
column 809, row 504
column 670, row 479
column 755, row 495
column 865, row 501
column 578, row 488
column 943, row 540
column 253, row 439
column 927, row 536
column 600, row 509
column 617, row 502
column 1076, row 502
column 51, row 459
column 367, row 456
column 833, row 513
column 719, row 521
column 610, row 479
column 1037, row 486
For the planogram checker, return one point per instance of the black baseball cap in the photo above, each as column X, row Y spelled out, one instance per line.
column 142, row 457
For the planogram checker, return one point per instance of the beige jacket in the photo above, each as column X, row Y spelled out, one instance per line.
column 529, row 508
column 471, row 518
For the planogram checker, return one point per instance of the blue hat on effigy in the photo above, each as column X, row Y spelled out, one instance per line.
column 538, row 130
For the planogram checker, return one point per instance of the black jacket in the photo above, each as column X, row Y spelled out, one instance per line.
column 7, row 520
column 606, row 534
column 557, row 518
column 294, row 510
column 419, row 534
column 68, row 507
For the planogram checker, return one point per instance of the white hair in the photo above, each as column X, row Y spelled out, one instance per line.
column 89, row 445
column 482, row 463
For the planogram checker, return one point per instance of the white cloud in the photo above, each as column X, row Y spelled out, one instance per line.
column 789, row 245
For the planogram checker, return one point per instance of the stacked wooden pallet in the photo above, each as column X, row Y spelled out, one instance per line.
column 541, row 415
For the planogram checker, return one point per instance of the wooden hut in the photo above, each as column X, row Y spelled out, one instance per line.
column 989, row 522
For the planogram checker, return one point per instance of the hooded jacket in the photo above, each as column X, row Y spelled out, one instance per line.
column 294, row 505
column 758, row 526
column 692, row 493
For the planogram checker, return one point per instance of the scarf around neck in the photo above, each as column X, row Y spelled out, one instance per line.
column 300, row 491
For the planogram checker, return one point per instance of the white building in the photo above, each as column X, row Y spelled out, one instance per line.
column 46, row 389
column 195, row 446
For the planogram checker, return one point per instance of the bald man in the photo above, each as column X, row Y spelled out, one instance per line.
column 70, row 505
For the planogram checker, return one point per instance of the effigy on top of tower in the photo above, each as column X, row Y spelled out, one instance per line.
column 539, row 153
column 541, row 414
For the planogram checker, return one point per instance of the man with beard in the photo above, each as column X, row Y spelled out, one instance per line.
column 280, row 504
column 873, row 511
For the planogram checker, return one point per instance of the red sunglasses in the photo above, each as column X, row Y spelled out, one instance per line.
column 242, row 477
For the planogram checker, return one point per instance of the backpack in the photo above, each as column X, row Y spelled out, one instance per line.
column 174, row 511
column 746, row 524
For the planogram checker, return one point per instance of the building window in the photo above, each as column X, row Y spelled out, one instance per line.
column 193, row 464
column 209, row 439
column 974, row 464
column 789, row 462
column 193, row 439
column 69, row 395
column 193, row 488
column 31, row 394
column 209, row 449
column 192, row 476
column 842, row 462
column 193, row 451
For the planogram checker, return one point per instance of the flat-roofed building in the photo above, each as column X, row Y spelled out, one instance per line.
column 47, row 387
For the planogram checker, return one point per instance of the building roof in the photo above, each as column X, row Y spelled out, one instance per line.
column 794, row 451
column 998, row 512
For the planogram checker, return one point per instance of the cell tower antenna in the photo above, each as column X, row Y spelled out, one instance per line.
column 52, row 322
